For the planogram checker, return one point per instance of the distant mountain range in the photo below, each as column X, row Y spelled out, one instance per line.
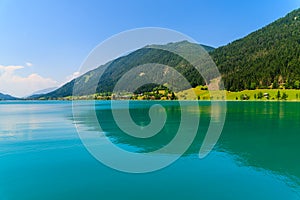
column 39, row 93
column 7, row 97
column 267, row 58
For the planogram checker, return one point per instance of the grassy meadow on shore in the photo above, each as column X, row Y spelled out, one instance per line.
column 253, row 95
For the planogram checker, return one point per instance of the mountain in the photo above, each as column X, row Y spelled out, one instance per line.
column 269, row 57
column 44, row 91
column 266, row 58
column 39, row 93
column 7, row 97
column 112, row 71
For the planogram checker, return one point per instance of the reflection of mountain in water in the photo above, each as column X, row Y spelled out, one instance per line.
column 264, row 135
column 139, row 111
column 261, row 135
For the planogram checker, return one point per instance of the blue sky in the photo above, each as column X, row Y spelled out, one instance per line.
column 44, row 42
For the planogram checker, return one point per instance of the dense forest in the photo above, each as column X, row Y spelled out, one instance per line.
column 267, row 58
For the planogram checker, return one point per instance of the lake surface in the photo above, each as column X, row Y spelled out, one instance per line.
column 42, row 157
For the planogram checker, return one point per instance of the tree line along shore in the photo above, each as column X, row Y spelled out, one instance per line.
column 198, row 93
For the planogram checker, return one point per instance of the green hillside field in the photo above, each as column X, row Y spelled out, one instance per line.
column 251, row 95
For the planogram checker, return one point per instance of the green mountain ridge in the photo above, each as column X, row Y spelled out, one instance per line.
column 267, row 57
column 89, row 82
column 183, row 45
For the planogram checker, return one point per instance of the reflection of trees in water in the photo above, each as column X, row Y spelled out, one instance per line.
column 141, row 117
column 139, row 112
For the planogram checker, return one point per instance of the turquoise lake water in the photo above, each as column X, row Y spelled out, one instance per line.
column 42, row 157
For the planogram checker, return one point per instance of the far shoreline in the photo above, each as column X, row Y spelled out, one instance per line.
column 193, row 94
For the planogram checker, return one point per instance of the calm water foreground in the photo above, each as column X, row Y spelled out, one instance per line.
column 256, row 157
